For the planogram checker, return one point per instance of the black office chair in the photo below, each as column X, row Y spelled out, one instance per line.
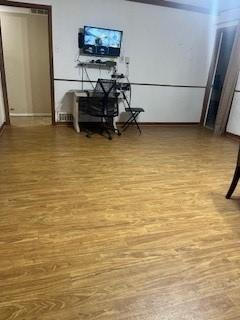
column 103, row 104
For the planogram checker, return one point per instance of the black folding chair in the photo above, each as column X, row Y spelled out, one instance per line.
column 134, row 113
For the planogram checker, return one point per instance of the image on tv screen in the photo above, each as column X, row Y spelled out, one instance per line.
column 102, row 41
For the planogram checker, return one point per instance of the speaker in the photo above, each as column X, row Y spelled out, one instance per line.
column 80, row 40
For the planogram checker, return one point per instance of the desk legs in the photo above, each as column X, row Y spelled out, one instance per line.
column 76, row 116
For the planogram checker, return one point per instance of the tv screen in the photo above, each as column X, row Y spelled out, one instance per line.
column 102, row 42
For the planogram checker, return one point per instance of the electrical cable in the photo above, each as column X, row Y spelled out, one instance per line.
column 77, row 59
column 130, row 90
column 82, row 76
column 89, row 78
column 130, row 86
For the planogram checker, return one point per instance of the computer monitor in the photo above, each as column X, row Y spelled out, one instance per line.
column 102, row 42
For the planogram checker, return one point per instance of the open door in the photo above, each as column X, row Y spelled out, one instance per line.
column 223, row 49
column 29, row 90
column 3, row 81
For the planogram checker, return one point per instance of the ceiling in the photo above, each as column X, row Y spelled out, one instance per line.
column 197, row 3
column 228, row 4
column 220, row 4
column 216, row 5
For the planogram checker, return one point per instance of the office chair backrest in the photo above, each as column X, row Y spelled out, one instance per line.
column 106, row 87
column 104, row 100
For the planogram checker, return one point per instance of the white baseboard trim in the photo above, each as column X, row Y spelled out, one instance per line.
column 30, row 114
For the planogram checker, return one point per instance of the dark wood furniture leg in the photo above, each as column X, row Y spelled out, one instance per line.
column 235, row 180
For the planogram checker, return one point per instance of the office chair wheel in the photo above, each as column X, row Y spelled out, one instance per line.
column 88, row 136
column 110, row 138
column 118, row 132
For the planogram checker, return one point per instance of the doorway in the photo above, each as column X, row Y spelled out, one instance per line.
column 223, row 48
column 27, row 64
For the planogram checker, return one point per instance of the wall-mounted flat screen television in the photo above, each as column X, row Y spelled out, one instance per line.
column 102, row 42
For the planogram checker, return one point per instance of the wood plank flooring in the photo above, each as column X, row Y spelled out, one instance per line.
column 131, row 229
column 30, row 121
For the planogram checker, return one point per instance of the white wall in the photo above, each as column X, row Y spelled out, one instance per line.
column 165, row 46
column 233, row 125
column 228, row 18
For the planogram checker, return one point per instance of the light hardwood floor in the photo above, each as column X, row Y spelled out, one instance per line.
column 30, row 121
column 131, row 229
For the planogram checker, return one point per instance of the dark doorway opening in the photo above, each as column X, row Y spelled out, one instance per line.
column 225, row 38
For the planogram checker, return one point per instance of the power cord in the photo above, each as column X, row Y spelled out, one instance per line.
column 130, row 90
column 85, row 69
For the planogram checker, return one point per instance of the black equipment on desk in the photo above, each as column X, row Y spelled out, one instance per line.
column 123, row 86
column 103, row 104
